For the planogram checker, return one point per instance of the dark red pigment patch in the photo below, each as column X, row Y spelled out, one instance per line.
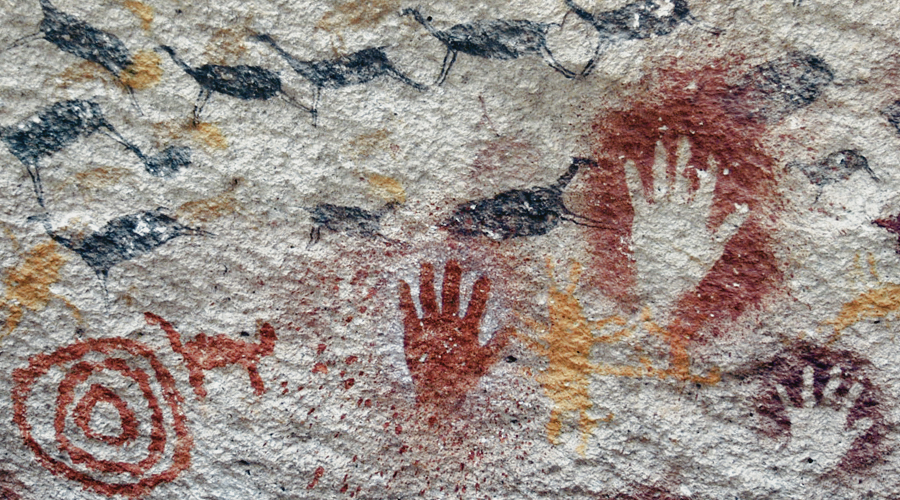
column 686, row 104
column 891, row 224
column 786, row 369
column 320, row 471
column 10, row 487
column 443, row 353
column 67, row 359
column 206, row 353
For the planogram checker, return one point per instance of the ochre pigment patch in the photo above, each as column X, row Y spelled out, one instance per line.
column 143, row 12
column 209, row 135
column 873, row 304
column 387, row 188
column 144, row 72
column 567, row 346
column 28, row 285
column 211, row 208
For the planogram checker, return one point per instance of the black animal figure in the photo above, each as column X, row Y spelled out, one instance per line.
column 121, row 239
column 835, row 167
column 348, row 220
column 635, row 21
column 892, row 113
column 780, row 87
column 352, row 69
column 59, row 125
column 519, row 212
column 243, row 82
column 83, row 40
column 491, row 39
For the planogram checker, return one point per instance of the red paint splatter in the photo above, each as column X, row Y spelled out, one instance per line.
column 40, row 364
column 351, row 359
column 892, row 225
column 321, row 349
column 442, row 349
column 320, row 471
column 206, row 353
column 349, row 383
column 320, row 368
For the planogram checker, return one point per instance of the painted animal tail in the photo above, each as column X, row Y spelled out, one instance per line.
column 567, row 177
column 420, row 18
column 267, row 338
column 169, row 50
column 171, row 333
column 587, row 16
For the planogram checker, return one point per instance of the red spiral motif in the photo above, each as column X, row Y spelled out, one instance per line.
column 84, row 366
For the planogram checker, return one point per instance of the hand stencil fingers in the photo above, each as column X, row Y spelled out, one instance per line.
column 450, row 294
column 635, row 187
column 732, row 223
column 783, row 395
column 660, row 176
column 682, row 159
column 855, row 392
column 426, row 292
column 703, row 198
column 833, row 383
column 807, row 393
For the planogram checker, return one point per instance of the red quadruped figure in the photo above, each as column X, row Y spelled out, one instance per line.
column 205, row 352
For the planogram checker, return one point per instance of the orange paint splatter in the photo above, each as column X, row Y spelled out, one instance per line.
column 28, row 285
column 209, row 135
column 386, row 188
column 567, row 347
column 144, row 72
column 143, row 12
column 873, row 304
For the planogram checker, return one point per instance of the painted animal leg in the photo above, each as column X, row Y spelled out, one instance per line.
column 314, row 111
column 393, row 72
column 25, row 39
column 597, row 51
column 114, row 134
column 255, row 380
column 449, row 59
column 202, row 98
column 134, row 100
column 35, row 174
column 553, row 63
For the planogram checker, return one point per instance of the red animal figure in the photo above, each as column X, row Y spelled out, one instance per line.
column 205, row 353
column 443, row 353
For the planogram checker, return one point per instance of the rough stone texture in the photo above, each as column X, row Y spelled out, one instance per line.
column 379, row 249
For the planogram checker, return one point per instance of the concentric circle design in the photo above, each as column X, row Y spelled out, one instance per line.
column 116, row 384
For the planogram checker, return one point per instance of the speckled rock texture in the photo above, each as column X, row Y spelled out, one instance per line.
column 375, row 249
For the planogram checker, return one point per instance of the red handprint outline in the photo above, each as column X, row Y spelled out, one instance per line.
column 442, row 350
